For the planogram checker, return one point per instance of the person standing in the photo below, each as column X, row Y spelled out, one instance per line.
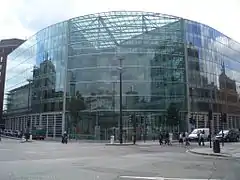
column 160, row 138
column 186, row 139
column 170, row 138
column 180, row 138
column 202, row 137
column 199, row 137
column 167, row 138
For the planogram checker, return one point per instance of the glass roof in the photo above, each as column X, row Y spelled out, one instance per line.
column 110, row 29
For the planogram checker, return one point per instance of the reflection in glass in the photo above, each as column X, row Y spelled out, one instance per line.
column 167, row 60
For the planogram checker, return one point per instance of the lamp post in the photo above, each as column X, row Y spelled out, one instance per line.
column 120, row 108
column 28, row 101
column 210, row 115
column 28, row 110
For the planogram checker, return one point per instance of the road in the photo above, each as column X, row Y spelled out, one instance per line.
column 41, row 160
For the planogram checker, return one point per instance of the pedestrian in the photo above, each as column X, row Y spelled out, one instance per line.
column 134, row 137
column 170, row 138
column 202, row 137
column 167, row 138
column 199, row 138
column 160, row 138
column 180, row 138
column 186, row 139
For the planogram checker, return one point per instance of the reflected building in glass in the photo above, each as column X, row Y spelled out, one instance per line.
column 166, row 60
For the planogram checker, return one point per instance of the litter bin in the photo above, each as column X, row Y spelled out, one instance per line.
column 112, row 139
column 216, row 146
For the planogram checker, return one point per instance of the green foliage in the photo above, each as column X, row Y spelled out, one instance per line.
column 76, row 105
column 160, row 121
column 172, row 115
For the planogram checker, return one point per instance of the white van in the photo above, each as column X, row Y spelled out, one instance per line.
column 194, row 134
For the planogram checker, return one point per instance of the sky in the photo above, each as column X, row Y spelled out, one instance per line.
column 23, row 18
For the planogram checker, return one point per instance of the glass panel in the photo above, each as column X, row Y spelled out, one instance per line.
column 35, row 73
column 213, row 68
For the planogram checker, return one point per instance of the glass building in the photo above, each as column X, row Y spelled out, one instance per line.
column 163, row 59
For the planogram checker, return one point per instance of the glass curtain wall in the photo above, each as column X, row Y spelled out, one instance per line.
column 153, row 69
column 36, row 75
column 213, row 71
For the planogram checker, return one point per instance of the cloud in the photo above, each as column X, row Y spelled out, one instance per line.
column 35, row 14
column 10, row 25
column 23, row 18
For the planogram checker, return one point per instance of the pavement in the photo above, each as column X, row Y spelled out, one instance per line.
column 45, row 160
column 138, row 143
column 228, row 150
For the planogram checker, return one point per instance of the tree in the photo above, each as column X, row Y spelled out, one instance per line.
column 172, row 115
column 133, row 121
column 76, row 105
column 160, row 122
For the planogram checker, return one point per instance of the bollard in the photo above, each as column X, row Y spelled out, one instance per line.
column 112, row 139
column 23, row 139
column 30, row 137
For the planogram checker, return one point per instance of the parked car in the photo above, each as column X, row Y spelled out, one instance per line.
column 17, row 133
column 230, row 135
column 193, row 136
column 8, row 132
column 5, row 132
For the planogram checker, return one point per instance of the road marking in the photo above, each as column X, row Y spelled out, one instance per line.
column 140, row 177
column 160, row 178
column 5, row 149
column 47, row 160
column 36, row 152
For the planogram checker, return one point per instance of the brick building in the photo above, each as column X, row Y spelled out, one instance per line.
column 6, row 47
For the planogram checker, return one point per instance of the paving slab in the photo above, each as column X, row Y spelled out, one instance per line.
column 228, row 150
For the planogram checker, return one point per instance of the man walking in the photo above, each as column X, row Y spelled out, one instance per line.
column 160, row 138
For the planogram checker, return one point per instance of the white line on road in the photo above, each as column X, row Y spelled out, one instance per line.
column 140, row 177
column 48, row 161
column 5, row 149
column 160, row 178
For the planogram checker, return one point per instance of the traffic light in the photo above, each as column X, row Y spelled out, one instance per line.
column 192, row 121
column 142, row 119
column 133, row 120
column 224, row 117
column 130, row 118
column 210, row 114
column 28, row 123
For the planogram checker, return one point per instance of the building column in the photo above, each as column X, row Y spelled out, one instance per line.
column 14, row 123
column 63, row 122
column 54, row 126
column 40, row 119
column 31, row 118
column 47, row 127
column 188, row 100
column 21, row 123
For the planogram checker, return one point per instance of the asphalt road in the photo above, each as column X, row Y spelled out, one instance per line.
column 92, row 161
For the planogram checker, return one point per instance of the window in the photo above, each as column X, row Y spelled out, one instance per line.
column 0, row 66
column 1, row 59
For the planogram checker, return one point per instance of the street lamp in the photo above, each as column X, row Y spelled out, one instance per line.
column 29, row 91
column 120, row 108
column 28, row 111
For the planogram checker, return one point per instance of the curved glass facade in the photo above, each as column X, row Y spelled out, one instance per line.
column 213, row 75
column 83, row 55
